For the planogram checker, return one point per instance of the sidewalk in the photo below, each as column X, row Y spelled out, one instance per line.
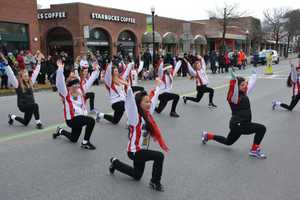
column 37, row 87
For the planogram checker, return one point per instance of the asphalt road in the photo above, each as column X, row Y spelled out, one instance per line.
column 35, row 167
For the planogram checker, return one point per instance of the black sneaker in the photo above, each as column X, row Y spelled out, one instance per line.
column 174, row 114
column 88, row 146
column 57, row 133
column 184, row 99
column 156, row 186
column 39, row 126
column 10, row 120
column 111, row 167
column 212, row 105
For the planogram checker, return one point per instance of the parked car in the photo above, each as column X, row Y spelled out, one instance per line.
column 275, row 56
column 262, row 57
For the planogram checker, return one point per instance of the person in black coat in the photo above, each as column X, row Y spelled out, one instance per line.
column 213, row 60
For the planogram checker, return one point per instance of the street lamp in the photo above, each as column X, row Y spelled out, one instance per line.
column 247, row 42
column 153, row 34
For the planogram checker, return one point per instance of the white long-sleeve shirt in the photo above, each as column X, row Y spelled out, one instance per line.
column 295, row 78
column 139, row 137
column 200, row 75
column 134, row 74
column 73, row 106
column 13, row 80
column 116, row 91
column 167, row 79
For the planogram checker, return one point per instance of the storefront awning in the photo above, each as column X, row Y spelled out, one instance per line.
column 218, row 35
column 147, row 38
column 200, row 40
column 170, row 38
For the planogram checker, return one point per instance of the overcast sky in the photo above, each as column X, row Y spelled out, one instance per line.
column 184, row 9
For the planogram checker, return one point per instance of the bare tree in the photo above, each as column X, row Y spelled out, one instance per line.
column 274, row 22
column 292, row 25
column 223, row 16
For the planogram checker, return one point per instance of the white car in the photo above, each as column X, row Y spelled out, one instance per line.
column 275, row 57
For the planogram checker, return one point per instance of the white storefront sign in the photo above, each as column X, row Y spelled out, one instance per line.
column 113, row 18
column 52, row 15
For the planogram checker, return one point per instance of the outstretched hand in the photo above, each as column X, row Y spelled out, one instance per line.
column 95, row 66
column 60, row 64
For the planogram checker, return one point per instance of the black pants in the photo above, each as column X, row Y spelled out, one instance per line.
column 221, row 68
column 200, row 92
column 4, row 81
column 28, row 110
column 119, row 108
column 293, row 103
column 76, row 124
column 164, row 98
column 244, row 128
column 91, row 97
column 137, row 88
column 139, row 159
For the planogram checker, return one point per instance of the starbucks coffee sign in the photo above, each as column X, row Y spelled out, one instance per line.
column 113, row 18
column 52, row 15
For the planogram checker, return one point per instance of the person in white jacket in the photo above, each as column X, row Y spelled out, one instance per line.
column 133, row 76
column 116, row 86
column 167, row 75
column 293, row 82
column 199, row 73
column 75, row 112
column 25, row 95
column 142, row 127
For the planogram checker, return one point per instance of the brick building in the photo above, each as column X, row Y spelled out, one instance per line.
column 19, row 27
column 78, row 27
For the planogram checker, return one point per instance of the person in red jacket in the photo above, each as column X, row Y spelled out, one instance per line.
column 20, row 59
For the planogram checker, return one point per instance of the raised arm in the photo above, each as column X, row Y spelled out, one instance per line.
column 233, row 91
column 127, row 70
column 191, row 70
column 140, row 66
column 93, row 77
column 177, row 67
column 131, row 108
column 294, row 74
column 36, row 72
column 154, row 96
column 11, row 77
column 107, row 75
column 203, row 64
column 60, row 79
column 161, row 70
column 252, row 81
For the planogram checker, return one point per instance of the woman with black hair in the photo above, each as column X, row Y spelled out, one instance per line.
column 241, row 119
column 294, row 82
column 142, row 127
column 116, row 85
column 25, row 98
column 201, row 82
column 167, row 75
column 75, row 112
